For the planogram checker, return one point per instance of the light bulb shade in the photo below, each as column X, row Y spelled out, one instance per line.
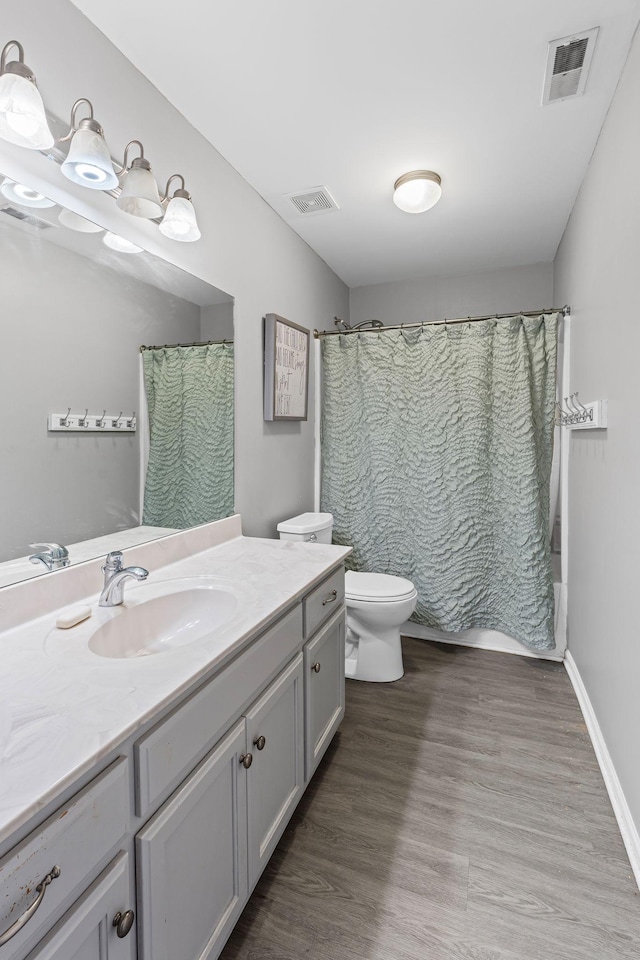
column 23, row 195
column 179, row 221
column 88, row 162
column 22, row 117
column 75, row 222
column 140, row 195
column 121, row 244
column 417, row 191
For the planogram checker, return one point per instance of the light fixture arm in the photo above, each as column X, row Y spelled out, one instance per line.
column 87, row 123
column 18, row 66
column 180, row 192
column 140, row 161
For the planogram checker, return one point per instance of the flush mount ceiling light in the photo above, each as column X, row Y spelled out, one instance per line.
column 22, row 116
column 88, row 162
column 417, row 191
column 75, row 222
column 139, row 195
column 121, row 244
column 179, row 222
column 23, row 195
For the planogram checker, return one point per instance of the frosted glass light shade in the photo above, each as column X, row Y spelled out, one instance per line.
column 22, row 116
column 88, row 162
column 140, row 195
column 23, row 195
column 121, row 244
column 417, row 191
column 75, row 222
column 179, row 221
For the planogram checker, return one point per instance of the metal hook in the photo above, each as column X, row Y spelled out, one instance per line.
column 82, row 422
column 100, row 420
column 131, row 420
column 64, row 421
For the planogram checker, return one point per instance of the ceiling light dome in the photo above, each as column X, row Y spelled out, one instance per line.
column 22, row 117
column 121, row 244
column 75, row 222
column 417, row 191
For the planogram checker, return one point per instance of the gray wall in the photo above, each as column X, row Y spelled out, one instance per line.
column 494, row 291
column 246, row 249
column 70, row 338
column 597, row 272
column 216, row 322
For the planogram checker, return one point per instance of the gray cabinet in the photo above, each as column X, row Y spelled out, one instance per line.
column 324, row 689
column 275, row 780
column 87, row 931
column 192, row 860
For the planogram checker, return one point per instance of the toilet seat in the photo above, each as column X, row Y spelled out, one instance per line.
column 377, row 587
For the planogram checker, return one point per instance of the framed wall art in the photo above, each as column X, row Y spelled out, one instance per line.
column 286, row 369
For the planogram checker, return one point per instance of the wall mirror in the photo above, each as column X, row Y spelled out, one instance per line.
column 77, row 305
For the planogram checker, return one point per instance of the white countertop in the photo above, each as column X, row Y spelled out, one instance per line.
column 62, row 707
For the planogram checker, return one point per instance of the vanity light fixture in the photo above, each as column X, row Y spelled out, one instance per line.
column 417, row 191
column 179, row 222
column 88, row 161
column 120, row 244
column 22, row 117
column 75, row 222
column 23, row 195
column 139, row 195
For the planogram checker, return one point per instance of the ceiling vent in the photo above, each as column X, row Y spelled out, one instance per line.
column 312, row 201
column 29, row 218
column 568, row 65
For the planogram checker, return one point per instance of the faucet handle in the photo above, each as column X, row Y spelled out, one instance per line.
column 113, row 562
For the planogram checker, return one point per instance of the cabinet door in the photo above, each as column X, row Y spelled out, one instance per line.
column 275, row 739
column 324, row 690
column 192, row 860
column 86, row 931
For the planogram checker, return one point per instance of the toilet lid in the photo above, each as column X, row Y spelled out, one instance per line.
column 376, row 586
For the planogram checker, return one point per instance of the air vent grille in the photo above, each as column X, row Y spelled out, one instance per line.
column 567, row 66
column 29, row 218
column 312, row 201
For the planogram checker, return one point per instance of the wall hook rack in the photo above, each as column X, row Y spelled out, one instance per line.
column 576, row 415
column 91, row 422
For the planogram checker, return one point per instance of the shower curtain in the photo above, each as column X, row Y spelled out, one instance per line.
column 190, row 400
column 436, row 459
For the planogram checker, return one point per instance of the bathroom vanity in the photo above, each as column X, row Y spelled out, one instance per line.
column 140, row 815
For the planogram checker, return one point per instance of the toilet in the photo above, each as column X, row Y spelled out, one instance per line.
column 377, row 605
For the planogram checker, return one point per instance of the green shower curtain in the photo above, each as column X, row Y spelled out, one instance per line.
column 436, row 460
column 190, row 400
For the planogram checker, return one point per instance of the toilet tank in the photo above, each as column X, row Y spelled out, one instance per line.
column 315, row 527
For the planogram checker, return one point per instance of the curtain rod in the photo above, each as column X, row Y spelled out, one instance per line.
column 168, row 346
column 565, row 311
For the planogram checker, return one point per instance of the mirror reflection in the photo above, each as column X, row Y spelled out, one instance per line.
column 84, row 455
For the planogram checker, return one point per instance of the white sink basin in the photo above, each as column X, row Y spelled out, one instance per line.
column 162, row 617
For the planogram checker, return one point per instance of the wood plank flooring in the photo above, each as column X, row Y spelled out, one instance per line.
column 459, row 815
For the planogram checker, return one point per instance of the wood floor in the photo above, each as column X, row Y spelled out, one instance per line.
column 460, row 815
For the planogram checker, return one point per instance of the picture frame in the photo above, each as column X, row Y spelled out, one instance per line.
column 286, row 369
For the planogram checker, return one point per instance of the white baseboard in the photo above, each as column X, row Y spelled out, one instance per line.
column 483, row 639
column 628, row 828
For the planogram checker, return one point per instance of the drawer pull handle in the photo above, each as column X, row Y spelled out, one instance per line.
column 123, row 922
column 316, row 667
column 41, row 889
column 260, row 742
column 331, row 598
column 246, row 759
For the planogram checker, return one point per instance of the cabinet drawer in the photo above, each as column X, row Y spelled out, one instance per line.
column 165, row 756
column 322, row 602
column 76, row 838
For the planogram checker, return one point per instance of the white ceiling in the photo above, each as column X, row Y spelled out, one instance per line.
column 353, row 93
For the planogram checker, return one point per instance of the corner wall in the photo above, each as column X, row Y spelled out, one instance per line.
column 597, row 272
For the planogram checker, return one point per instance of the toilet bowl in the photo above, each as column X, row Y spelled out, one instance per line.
column 377, row 605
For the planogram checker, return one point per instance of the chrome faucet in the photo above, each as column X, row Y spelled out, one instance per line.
column 114, row 578
column 53, row 556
